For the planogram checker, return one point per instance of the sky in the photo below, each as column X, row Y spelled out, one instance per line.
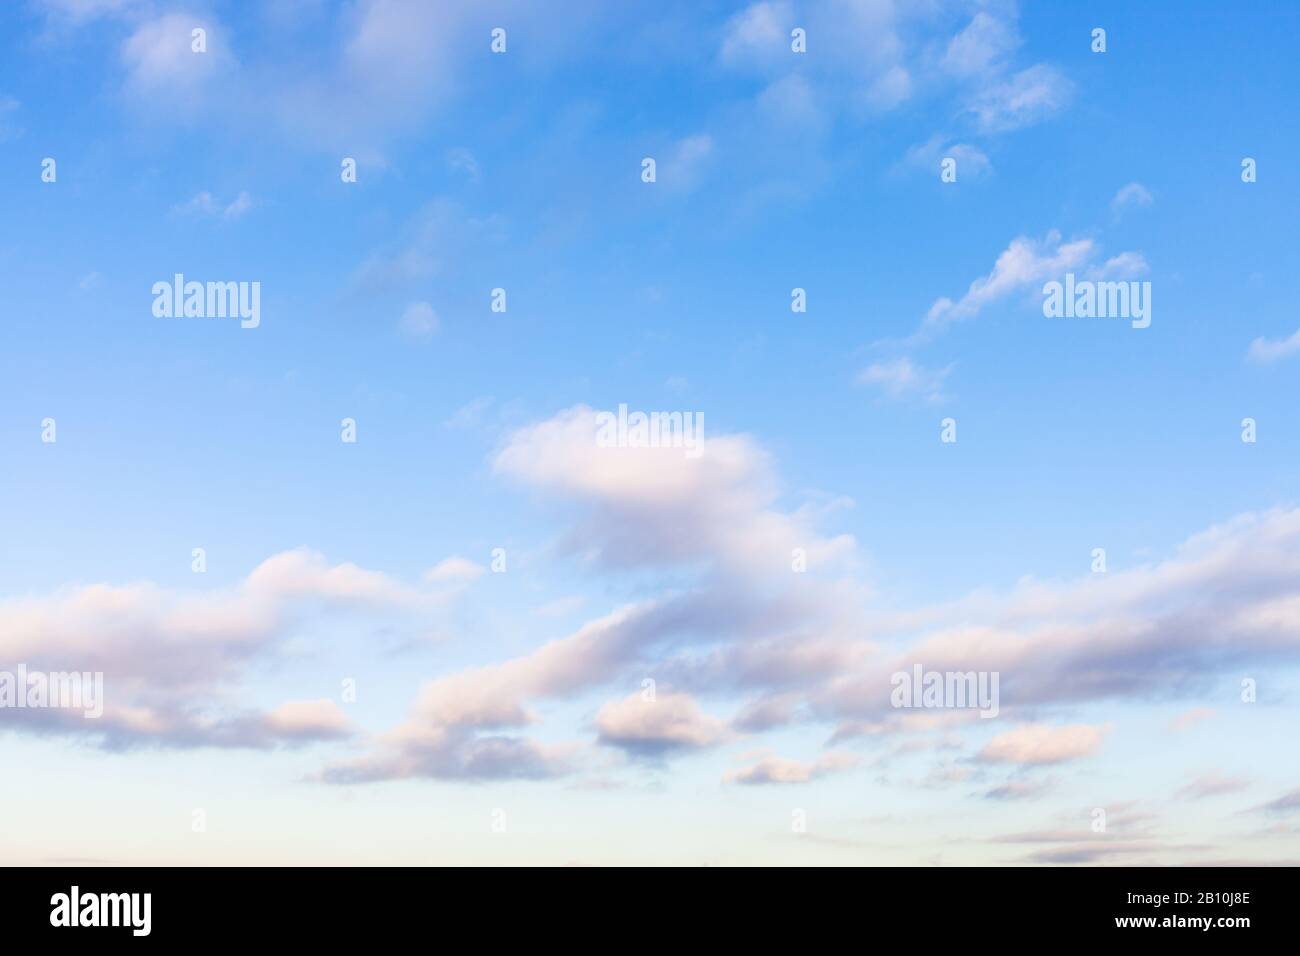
column 365, row 587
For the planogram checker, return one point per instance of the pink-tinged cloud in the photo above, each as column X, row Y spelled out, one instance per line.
column 1041, row 744
column 1190, row 718
column 653, row 506
column 173, row 660
column 669, row 722
column 783, row 770
column 1212, row 784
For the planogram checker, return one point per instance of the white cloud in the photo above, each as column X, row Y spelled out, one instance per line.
column 981, row 46
column 81, row 11
column 456, row 729
column 205, row 204
column 162, row 69
column 454, row 570
column 240, row 205
column 972, row 162
column 791, row 100
column 1022, row 264
column 419, row 322
column 471, row 414
column 1229, row 595
column 889, row 89
column 643, row 499
column 1027, row 97
column 760, row 33
column 685, row 162
column 1264, row 350
column 1133, row 194
column 1126, row 265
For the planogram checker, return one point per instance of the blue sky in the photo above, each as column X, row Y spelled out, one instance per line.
column 775, row 170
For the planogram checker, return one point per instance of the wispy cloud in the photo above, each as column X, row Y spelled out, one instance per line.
column 419, row 322
column 1213, row 784
column 1264, row 351
column 1021, row 265
column 1027, row 97
column 780, row 770
column 1133, row 194
column 1040, row 744
column 903, row 379
column 205, row 204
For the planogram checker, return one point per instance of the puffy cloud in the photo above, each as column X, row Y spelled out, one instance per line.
column 302, row 573
column 454, row 569
column 386, row 66
column 453, row 729
column 667, row 723
column 163, row 69
column 685, row 162
column 1228, row 595
column 791, row 100
column 419, row 322
column 857, row 55
column 650, row 507
column 889, row 89
column 758, row 33
column 308, row 718
column 1041, row 744
column 171, row 657
column 767, row 711
column 659, row 505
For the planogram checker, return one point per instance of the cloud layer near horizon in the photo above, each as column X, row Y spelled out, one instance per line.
column 796, row 647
